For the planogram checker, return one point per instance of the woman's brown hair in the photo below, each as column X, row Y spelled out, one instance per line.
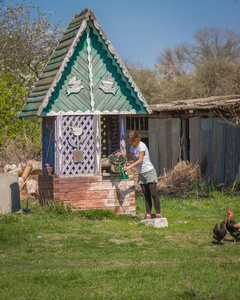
column 133, row 135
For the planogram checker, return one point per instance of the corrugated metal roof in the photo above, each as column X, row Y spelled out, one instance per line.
column 84, row 59
column 201, row 103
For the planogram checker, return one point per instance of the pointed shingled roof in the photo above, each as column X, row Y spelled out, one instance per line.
column 85, row 75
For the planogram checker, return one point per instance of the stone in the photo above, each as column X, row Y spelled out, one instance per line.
column 156, row 222
column 9, row 196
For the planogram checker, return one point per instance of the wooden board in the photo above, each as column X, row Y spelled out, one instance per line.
column 218, row 151
column 195, row 139
column 153, row 143
column 230, row 154
column 164, row 143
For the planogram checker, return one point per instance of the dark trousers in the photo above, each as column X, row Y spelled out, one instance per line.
column 150, row 191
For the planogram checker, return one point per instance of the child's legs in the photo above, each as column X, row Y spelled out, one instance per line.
column 148, row 199
column 153, row 192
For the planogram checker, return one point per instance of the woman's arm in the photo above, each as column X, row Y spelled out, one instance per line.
column 137, row 162
column 128, row 157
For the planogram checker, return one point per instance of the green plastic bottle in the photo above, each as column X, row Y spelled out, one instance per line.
column 122, row 173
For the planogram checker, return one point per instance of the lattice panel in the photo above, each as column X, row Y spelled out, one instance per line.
column 69, row 167
column 104, row 135
column 115, row 136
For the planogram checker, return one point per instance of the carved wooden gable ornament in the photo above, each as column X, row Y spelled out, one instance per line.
column 84, row 76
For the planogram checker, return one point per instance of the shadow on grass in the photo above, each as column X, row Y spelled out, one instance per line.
column 228, row 240
column 217, row 243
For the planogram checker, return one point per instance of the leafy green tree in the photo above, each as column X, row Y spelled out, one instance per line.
column 26, row 41
column 13, row 129
column 183, row 87
column 146, row 79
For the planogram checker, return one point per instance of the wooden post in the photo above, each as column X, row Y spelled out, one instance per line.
column 122, row 130
column 48, row 141
column 58, row 152
column 97, row 145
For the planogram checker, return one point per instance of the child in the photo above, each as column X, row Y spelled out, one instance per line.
column 147, row 176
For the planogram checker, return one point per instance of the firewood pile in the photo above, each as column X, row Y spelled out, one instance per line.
column 28, row 176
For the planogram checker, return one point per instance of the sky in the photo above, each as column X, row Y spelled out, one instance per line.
column 140, row 30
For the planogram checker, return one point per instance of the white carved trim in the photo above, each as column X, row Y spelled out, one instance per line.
column 89, row 112
column 63, row 65
column 75, row 85
column 97, row 142
column 90, row 69
column 59, row 145
column 122, row 66
column 106, row 86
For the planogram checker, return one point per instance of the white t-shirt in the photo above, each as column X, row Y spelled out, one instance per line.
column 146, row 165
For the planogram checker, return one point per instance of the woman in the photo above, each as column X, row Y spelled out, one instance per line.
column 147, row 176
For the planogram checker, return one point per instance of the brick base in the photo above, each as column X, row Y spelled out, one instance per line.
column 93, row 192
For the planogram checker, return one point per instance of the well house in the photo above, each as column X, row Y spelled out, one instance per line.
column 83, row 97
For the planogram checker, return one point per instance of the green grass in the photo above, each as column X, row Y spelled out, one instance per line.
column 53, row 253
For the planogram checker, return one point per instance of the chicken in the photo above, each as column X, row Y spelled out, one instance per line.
column 232, row 226
column 219, row 233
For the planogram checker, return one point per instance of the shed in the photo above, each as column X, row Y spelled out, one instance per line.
column 83, row 97
column 199, row 131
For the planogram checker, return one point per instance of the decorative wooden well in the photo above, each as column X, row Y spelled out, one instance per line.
column 83, row 96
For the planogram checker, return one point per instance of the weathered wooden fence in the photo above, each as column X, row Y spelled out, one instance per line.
column 212, row 143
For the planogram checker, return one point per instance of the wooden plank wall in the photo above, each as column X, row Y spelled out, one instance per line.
column 195, row 139
column 164, row 143
column 215, row 145
column 218, row 170
column 153, row 142
column 231, row 154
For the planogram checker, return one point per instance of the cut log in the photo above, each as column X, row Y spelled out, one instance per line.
column 37, row 168
column 18, row 171
column 26, row 172
column 105, row 162
column 21, row 183
column 30, row 162
column 8, row 168
column 32, row 187
column 24, row 190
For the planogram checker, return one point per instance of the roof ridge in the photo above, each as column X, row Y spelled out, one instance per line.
column 82, row 12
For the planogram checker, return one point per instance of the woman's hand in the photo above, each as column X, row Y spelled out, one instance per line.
column 125, row 169
column 118, row 153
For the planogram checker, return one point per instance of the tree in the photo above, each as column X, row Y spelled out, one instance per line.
column 212, row 64
column 146, row 79
column 26, row 41
column 13, row 130
column 172, row 62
